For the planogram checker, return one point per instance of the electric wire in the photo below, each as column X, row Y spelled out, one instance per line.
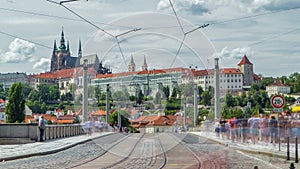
column 274, row 37
column 14, row 36
column 145, row 28
column 91, row 23
column 184, row 33
column 59, row 17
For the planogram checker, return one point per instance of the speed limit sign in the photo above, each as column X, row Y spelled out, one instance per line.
column 277, row 101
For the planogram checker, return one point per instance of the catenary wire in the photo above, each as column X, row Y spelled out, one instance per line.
column 14, row 36
column 149, row 28
column 91, row 23
column 60, row 17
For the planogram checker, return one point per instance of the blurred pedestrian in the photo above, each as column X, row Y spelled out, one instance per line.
column 42, row 127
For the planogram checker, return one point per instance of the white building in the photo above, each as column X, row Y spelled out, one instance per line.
column 278, row 88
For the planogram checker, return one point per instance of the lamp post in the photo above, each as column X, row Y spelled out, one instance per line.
column 107, row 104
column 85, row 91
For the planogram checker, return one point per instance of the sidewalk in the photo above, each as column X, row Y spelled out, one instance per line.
column 260, row 148
column 16, row 151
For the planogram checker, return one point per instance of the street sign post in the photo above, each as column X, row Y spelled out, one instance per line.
column 277, row 102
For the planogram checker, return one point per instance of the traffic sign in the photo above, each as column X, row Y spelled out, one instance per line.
column 277, row 101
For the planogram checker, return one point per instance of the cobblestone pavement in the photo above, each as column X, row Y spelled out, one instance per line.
column 213, row 155
column 62, row 159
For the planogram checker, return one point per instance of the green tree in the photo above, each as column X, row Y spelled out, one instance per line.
column 114, row 119
column 54, row 93
column 140, row 97
column 43, row 93
column 265, row 82
column 26, row 89
column 229, row 100
column 166, row 91
column 3, row 94
column 16, row 104
column 206, row 98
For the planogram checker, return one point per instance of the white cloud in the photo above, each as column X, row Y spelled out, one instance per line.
column 19, row 51
column 200, row 7
column 276, row 4
column 43, row 64
column 236, row 53
column 196, row 7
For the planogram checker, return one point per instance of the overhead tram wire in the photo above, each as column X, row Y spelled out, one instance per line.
column 184, row 33
column 225, row 21
column 59, row 17
column 91, row 23
column 146, row 28
column 274, row 37
column 14, row 36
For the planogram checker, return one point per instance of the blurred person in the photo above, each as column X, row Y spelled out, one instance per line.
column 254, row 128
column 42, row 127
column 223, row 127
column 273, row 129
column 265, row 129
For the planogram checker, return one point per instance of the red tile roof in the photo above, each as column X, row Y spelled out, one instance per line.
column 244, row 61
column 47, row 75
column 277, row 83
column 66, row 73
column 99, row 113
column 154, row 121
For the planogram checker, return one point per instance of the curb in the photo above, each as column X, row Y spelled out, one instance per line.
column 270, row 154
column 50, row 151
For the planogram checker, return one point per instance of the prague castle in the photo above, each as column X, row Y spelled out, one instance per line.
column 61, row 58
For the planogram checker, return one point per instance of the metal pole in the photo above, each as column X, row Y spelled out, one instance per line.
column 184, row 115
column 85, row 91
column 119, row 117
column 217, row 89
column 195, row 105
column 288, row 148
column 107, row 104
column 296, row 151
column 278, row 127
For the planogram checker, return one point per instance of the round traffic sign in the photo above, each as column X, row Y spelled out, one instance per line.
column 277, row 101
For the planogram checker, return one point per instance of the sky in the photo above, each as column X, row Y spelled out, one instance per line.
column 166, row 34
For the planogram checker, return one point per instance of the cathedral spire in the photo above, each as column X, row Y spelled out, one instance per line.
column 54, row 46
column 145, row 66
column 131, row 66
column 62, row 41
column 79, row 50
column 68, row 47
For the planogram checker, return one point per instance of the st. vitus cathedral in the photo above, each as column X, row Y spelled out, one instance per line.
column 62, row 59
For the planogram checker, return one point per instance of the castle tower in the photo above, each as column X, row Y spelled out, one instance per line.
column 246, row 67
column 60, row 54
column 131, row 66
column 144, row 66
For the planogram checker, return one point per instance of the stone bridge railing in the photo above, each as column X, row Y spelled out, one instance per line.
column 60, row 131
column 24, row 133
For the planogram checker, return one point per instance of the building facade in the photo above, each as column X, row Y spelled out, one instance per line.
column 278, row 88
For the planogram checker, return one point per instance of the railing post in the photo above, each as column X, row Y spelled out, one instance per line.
column 288, row 148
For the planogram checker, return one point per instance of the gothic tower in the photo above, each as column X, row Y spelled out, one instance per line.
column 144, row 66
column 246, row 67
column 131, row 66
column 60, row 54
column 54, row 58
column 79, row 55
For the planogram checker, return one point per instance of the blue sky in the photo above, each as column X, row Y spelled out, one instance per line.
column 267, row 32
